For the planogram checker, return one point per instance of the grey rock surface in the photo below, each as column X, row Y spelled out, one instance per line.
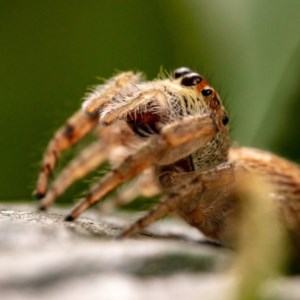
column 43, row 257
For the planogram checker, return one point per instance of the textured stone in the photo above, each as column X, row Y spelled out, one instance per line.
column 43, row 257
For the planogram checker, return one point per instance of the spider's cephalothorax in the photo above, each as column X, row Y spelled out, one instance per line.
column 162, row 102
column 172, row 134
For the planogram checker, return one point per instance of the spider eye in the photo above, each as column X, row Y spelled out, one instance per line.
column 206, row 92
column 181, row 72
column 191, row 79
column 225, row 120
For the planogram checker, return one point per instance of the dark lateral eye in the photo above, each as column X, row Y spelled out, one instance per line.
column 181, row 72
column 225, row 120
column 191, row 79
column 206, row 92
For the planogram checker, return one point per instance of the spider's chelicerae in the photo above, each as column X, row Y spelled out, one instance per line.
column 171, row 134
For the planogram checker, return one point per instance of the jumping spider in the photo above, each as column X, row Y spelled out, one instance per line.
column 172, row 134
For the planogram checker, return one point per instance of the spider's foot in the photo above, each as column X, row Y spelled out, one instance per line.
column 42, row 208
column 69, row 218
column 126, row 233
column 119, row 236
column 38, row 195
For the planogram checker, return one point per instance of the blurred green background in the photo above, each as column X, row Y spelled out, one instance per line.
column 51, row 51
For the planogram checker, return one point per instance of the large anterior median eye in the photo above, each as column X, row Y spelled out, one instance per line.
column 181, row 72
column 191, row 79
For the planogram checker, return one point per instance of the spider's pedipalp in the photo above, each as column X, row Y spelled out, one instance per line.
column 152, row 151
column 130, row 105
column 101, row 94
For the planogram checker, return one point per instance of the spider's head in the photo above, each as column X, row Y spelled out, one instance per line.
column 206, row 96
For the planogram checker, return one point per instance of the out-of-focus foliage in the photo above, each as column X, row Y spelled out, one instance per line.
column 262, row 243
column 52, row 50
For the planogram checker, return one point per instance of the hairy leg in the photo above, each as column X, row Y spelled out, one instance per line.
column 145, row 185
column 70, row 133
column 181, row 194
column 78, row 125
column 200, row 130
column 114, row 146
column 89, row 159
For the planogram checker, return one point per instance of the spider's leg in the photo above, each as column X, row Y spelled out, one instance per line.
column 198, row 129
column 145, row 185
column 167, row 205
column 81, row 123
column 114, row 145
column 74, row 129
column 89, row 159
column 182, row 193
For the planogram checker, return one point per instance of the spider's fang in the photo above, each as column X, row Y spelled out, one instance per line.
column 143, row 124
column 143, row 130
